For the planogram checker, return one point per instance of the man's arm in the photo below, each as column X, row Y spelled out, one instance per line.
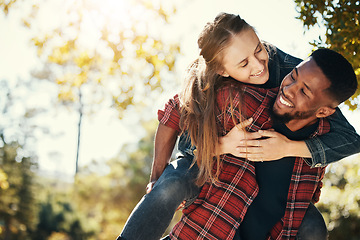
column 342, row 141
column 165, row 139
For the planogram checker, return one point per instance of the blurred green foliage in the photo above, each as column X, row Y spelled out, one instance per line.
column 95, row 206
column 104, row 52
column 340, row 199
column 17, row 200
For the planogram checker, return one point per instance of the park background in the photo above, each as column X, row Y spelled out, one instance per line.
column 81, row 82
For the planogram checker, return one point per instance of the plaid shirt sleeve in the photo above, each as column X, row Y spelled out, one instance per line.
column 170, row 115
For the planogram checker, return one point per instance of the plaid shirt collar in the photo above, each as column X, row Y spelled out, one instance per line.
column 221, row 206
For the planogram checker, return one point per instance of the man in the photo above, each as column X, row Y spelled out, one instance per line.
column 268, row 200
column 177, row 184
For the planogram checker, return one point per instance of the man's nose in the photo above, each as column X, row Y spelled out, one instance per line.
column 290, row 90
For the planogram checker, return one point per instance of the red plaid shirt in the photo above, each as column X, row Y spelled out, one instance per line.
column 221, row 206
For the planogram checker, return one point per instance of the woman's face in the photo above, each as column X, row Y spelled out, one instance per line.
column 246, row 59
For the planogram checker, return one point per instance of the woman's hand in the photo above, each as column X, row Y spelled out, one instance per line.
column 272, row 146
column 229, row 143
column 264, row 145
column 149, row 186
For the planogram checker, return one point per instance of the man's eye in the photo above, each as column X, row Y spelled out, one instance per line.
column 304, row 93
column 292, row 77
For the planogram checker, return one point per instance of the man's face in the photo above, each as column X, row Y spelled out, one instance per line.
column 301, row 95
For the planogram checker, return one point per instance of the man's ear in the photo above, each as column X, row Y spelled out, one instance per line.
column 324, row 112
column 223, row 73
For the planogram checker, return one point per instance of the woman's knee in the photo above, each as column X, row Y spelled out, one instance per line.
column 171, row 189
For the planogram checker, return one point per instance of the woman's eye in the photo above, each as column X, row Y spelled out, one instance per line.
column 244, row 65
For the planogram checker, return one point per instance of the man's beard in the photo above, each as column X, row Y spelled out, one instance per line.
column 287, row 117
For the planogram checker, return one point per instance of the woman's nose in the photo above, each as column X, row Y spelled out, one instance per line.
column 258, row 65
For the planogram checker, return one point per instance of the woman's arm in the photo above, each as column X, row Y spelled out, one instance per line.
column 261, row 146
column 342, row 141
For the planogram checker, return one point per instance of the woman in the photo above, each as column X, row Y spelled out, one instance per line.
column 229, row 47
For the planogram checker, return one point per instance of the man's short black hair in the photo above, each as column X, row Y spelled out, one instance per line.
column 339, row 72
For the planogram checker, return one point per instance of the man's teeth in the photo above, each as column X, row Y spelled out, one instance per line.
column 283, row 101
column 257, row 74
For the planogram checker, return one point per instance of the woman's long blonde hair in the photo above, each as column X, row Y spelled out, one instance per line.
column 199, row 95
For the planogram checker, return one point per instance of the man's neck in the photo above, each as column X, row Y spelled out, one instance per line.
column 297, row 124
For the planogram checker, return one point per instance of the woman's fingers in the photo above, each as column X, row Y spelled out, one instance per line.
column 244, row 124
column 251, row 143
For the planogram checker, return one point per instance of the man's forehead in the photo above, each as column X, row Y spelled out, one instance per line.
column 311, row 74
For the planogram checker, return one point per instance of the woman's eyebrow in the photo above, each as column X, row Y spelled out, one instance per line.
column 257, row 46
column 239, row 63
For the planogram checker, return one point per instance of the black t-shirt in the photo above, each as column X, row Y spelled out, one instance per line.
column 273, row 178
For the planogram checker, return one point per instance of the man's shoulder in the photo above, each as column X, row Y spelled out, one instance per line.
column 237, row 88
column 283, row 58
column 260, row 93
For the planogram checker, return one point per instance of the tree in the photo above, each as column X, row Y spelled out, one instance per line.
column 17, row 166
column 340, row 199
column 17, row 200
column 101, row 53
column 126, row 61
column 57, row 217
column 5, row 5
column 106, row 193
column 341, row 20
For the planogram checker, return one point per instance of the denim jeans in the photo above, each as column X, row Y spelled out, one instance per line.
column 154, row 212
column 313, row 226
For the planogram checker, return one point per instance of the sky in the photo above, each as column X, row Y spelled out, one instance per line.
column 103, row 134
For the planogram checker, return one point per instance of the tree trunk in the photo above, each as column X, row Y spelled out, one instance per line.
column 79, row 132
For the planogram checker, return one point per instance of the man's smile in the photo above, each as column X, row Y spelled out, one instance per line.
column 282, row 100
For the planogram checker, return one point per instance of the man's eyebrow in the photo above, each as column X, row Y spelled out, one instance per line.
column 306, row 86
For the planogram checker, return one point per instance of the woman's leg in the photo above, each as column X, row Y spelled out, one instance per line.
column 154, row 212
column 313, row 226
